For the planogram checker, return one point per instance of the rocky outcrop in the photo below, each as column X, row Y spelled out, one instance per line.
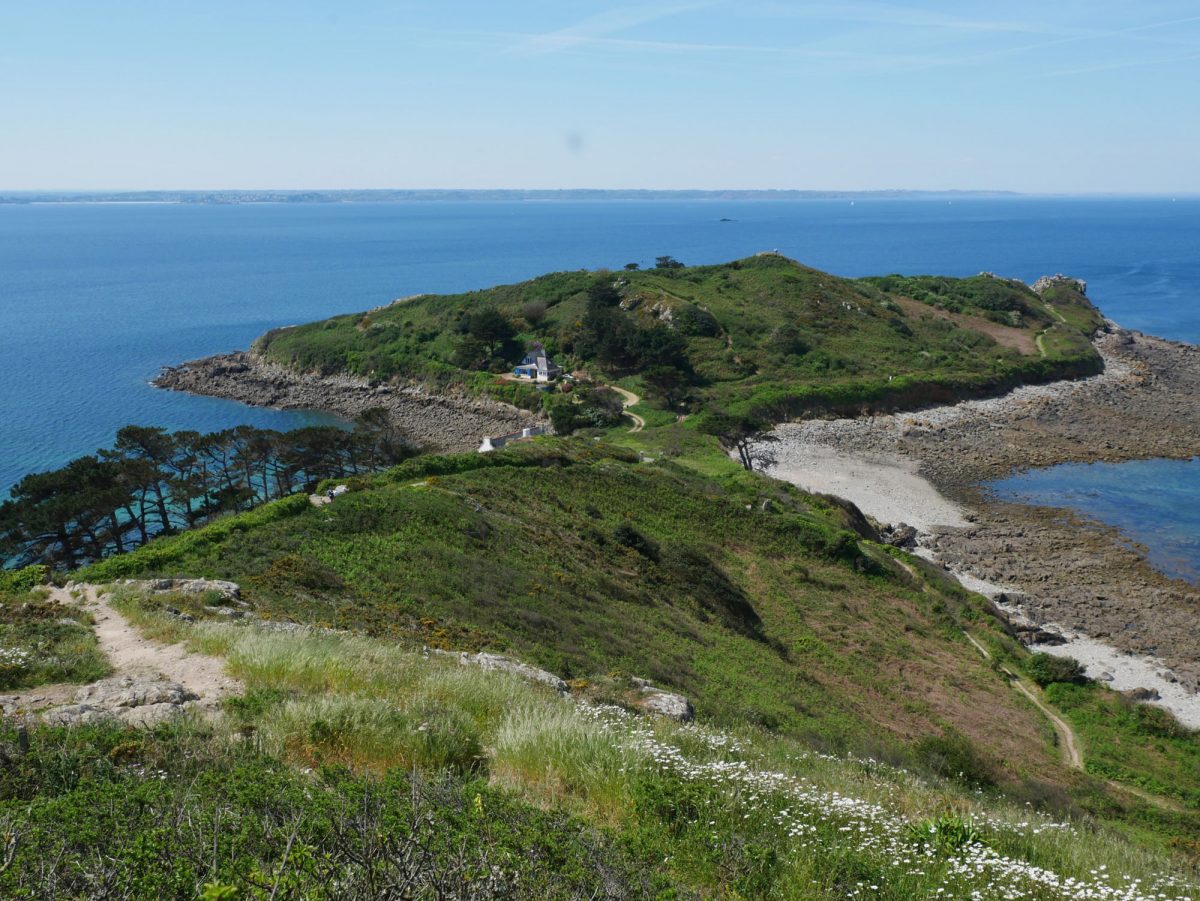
column 658, row 702
column 435, row 422
column 1143, row 695
column 497, row 663
column 229, row 591
column 900, row 535
column 1046, row 282
column 137, row 701
column 1029, row 635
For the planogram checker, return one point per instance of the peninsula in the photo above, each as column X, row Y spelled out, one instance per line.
column 619, row 660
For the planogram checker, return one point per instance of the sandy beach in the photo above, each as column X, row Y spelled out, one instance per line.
column 1131, row 626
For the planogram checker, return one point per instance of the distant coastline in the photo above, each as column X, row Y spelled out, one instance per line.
column 472, row 195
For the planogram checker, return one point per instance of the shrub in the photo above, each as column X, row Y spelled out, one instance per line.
column 634, row 540
column 952, row 756
column 948, row 834
column 1045, row 669
column 693, row 320
column 19, row 581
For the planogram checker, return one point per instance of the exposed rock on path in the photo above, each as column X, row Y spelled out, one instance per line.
column 151, row 681
column 436, row 422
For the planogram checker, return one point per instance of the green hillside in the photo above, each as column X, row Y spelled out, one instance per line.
column 764, row 334
column 864, row 726
column 764, row 605
column 585, row 562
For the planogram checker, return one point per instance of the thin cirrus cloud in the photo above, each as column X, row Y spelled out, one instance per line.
column 863, row 49
column 597, row 28
column 1135, row 32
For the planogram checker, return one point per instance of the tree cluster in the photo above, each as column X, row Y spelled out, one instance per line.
column 153, row 482
column 485, row 336
column 617, row 342
column 586, row 408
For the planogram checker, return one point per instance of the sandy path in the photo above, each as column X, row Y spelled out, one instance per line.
column 1070, row 744
column 131, row 656
column 630, row 399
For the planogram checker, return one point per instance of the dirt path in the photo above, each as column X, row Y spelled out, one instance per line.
column 630, row 399
column 136, row 661
column 1070, row 744
column 132, row 655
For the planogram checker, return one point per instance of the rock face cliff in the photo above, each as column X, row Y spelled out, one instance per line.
column 1046, row 282
column 435, row 422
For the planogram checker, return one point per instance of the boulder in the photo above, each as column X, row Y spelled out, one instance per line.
column 495, row 662
column 1030, row 635
column 900, row 535
column 658, row 702
column 1143, row 694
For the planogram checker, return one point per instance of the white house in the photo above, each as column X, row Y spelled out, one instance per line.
column 537, row 366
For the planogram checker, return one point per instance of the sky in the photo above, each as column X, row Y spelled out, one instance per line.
column 1052, row 96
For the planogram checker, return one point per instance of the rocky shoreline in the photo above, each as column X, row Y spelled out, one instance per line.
column 433, row 422
column 1056, row 569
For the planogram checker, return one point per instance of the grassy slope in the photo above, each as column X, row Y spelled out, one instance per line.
column 788, row 338
column 40, row 644
column 771, row 616
column 488, row 786
column 761, row 605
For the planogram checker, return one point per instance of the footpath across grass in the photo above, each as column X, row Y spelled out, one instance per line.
column 355, row 769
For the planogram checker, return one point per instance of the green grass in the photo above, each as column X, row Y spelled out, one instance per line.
column 42, row 643
column 1140, row 744
column 370, row 761
column 760, row 603
column 754, row 599
column 778, row 338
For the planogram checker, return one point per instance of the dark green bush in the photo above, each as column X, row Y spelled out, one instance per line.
column 1045, row 669
column 634, row 540
column 104, row 811
column 952, row 756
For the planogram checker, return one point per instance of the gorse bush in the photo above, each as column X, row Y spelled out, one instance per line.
column 17, row 581
column 109, row 812
column 953, row 756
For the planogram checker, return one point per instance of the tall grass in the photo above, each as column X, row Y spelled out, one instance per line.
column 751, row 812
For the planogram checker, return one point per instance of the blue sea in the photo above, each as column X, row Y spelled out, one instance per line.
column 95, row 298
column 1153, row 502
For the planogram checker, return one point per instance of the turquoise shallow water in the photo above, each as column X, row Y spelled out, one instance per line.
column 1155, row 503
column 94, row 299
